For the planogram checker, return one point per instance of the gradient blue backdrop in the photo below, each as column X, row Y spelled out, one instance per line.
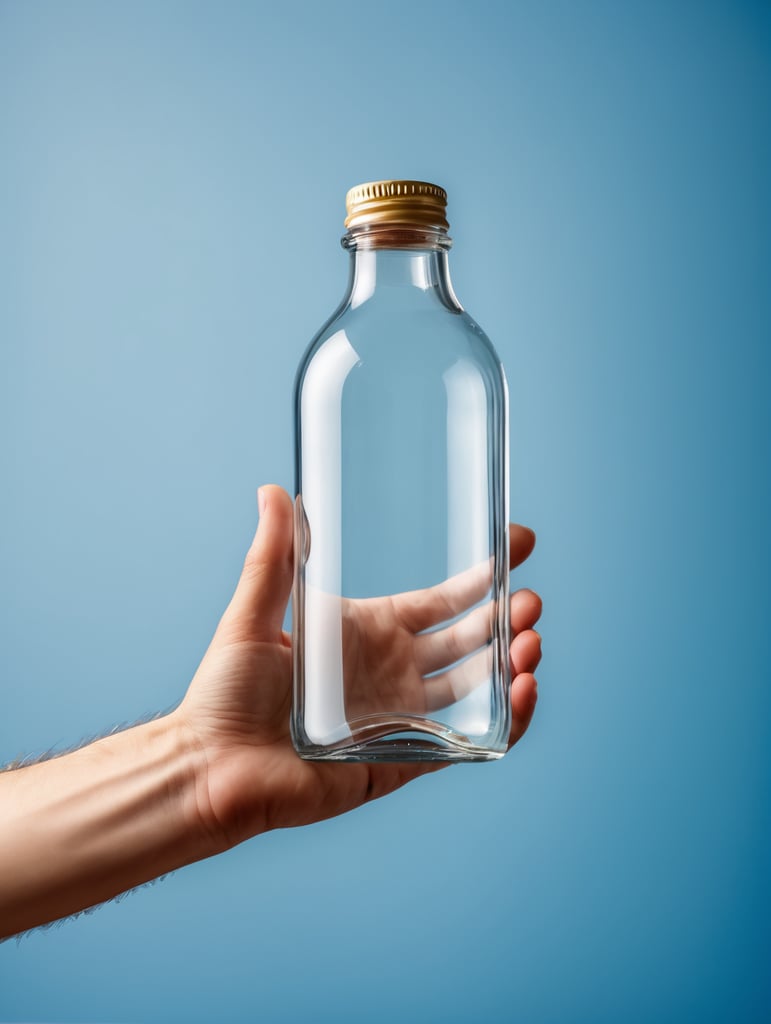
column 171, row 197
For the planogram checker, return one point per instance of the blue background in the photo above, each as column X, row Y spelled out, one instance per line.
column 171, row 197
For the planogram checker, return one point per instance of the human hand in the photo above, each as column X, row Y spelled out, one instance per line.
column 237, row 708
column 115, row 813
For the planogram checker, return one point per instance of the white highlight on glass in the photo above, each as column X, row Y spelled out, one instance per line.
column 322, row 494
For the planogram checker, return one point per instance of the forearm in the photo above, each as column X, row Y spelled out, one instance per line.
column 81, row 828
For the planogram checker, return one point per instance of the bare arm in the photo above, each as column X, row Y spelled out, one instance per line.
column 81, row 828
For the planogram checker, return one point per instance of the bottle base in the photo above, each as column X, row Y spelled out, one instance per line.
column 399, row 753
column 372, row 741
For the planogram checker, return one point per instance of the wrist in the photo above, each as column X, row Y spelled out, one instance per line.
column 207, row 834
column 171, row 755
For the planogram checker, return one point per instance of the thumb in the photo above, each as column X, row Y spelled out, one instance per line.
column 256, row 611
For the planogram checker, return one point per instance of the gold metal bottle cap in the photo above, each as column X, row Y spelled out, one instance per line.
column 396, row 202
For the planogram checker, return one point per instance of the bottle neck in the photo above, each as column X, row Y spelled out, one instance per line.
column 402, row 265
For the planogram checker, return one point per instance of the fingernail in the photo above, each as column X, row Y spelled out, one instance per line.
column 261, row 501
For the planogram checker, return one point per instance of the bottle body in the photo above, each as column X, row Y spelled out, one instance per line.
column 401, row 593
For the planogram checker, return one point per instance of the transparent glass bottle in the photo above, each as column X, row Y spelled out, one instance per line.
column 401, row 593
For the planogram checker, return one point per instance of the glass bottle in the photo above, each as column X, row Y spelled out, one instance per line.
column 401, row 592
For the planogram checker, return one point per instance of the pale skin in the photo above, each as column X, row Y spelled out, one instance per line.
column 79, row 829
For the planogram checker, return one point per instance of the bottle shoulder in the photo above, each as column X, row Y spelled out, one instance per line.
column 370, row 329
column 359, row 345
